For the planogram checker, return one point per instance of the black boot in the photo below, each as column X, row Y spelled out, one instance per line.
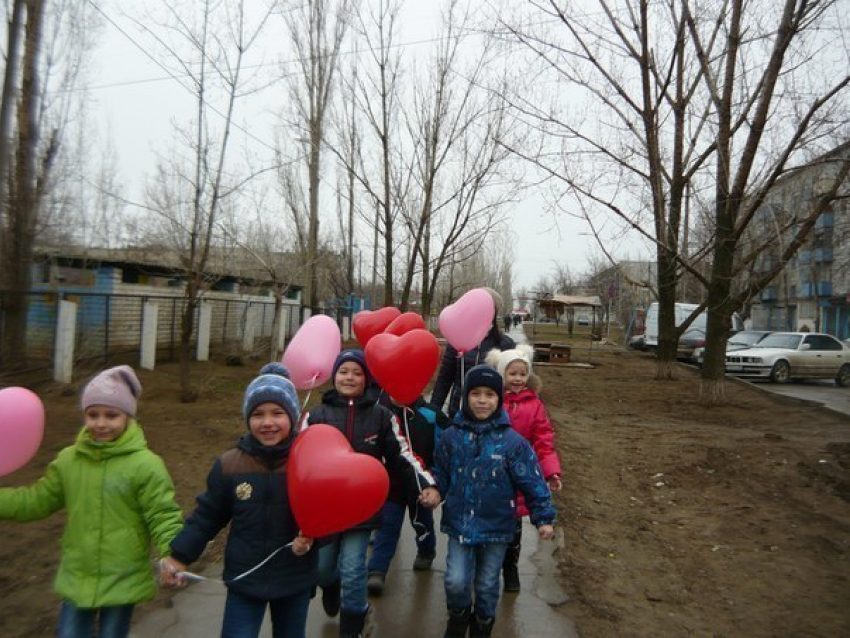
column 481, row 626
column 330, row 598
column 354, row 624
column 458, row 623
column 510, row 571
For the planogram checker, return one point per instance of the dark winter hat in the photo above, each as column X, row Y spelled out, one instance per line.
column 116, row 387
column 272, row 386
column 357, row 357
column 481, row 376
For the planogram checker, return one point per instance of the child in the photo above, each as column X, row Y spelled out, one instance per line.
column 421, row 423
column 479, row 466
column 118, row 496
column 371, row 429
column 528, row 417
column 267, row 563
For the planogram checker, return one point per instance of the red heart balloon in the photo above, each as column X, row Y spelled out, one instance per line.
column 331, row 487
column 368, row 323
column 403, row 365
column 405, row 322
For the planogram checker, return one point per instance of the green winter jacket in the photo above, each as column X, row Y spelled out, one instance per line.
column 119, row 497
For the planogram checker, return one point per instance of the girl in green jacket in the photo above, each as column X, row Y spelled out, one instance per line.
column 118, row 497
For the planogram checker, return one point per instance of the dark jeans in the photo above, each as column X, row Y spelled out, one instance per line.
column 111, row 622
column 386, row 538
column 243, row 615
column 474, row 568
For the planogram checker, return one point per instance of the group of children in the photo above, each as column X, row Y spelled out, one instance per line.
column 120, row 499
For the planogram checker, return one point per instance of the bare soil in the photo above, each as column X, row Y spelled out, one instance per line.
column 678, row 519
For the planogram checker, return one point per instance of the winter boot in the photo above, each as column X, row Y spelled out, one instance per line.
column 422, row 563
column 353, row 624
column 481, row 627
column 330, row 598
column 375, row 583
column 458, row 623
column 510, row 571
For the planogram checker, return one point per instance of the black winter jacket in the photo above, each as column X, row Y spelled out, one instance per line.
column 247, row 488
column 450, row 376
column 372, row 429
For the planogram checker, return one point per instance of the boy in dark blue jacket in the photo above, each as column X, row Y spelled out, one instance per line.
column 480, row 464
column 421, row 424
column 267, row 562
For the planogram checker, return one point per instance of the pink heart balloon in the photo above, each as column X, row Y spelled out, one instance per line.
column 311, row 354
column 467, row 321
column 21, row 428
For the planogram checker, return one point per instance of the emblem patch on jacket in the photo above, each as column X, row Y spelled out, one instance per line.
column 243, row 491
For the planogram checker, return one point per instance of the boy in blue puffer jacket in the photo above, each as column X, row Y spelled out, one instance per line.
column 479, row 466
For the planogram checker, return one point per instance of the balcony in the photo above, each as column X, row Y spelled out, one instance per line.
column 771, row 293
column 822, row 255
column 809, row 289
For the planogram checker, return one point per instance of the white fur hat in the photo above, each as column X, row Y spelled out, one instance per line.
column 501, row 359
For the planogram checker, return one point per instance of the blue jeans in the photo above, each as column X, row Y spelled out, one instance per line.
column 243, row 615
column 345, row 558
column 478, row 566
column 386, row 538
column 76, row 622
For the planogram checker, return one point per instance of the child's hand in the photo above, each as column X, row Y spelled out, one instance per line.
column 169, row 570
column 546, row 532
column 430, row 497
column 554, row 482
column 301, row 544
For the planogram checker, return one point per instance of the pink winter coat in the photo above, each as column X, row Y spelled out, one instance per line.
column 528, row 417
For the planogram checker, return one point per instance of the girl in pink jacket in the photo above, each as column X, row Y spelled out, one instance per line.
column 528, row 417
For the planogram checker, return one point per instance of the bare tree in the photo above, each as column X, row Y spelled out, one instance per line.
column 681, row 99
column 191, row 192
column 317, row 29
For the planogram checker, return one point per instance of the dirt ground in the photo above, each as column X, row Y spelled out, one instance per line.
column 678, row 520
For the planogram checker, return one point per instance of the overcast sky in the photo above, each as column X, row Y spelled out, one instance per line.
column 136, row 102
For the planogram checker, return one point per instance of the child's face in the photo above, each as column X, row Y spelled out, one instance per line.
column 105, row 423
column 516, row 376
column 350, row 380
column 483, row 402
column 269, row 423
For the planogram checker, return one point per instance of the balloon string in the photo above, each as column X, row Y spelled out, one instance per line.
column 309, row 392
column 197, row 578
column 410, row 443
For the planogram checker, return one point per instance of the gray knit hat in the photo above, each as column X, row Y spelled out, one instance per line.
column 272, row 386
column 116, row 387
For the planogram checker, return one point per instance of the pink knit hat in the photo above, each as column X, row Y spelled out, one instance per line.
column 116, row 387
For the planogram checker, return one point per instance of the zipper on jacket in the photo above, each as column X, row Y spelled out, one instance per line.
column 349, row 426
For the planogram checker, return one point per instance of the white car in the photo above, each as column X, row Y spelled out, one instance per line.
column 783, row 356
column 738, row 341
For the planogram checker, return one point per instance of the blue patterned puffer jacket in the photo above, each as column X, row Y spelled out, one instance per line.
column 479, row 467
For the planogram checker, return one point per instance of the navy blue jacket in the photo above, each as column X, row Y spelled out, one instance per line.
column 479, row 468
column 449, row 379
column 372, row 429
column 247, row 488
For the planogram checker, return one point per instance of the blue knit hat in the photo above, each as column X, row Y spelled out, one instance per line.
column 272, row 386
column 481, row 376
column 355, row 355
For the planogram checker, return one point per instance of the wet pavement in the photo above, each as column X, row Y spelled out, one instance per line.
column 413, row 603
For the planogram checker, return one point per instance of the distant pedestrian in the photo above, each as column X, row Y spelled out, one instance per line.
column 119, row 499
column 267, row 562
column 480, row 464
column 449, row 379
column 528, row 417
column 507, row 319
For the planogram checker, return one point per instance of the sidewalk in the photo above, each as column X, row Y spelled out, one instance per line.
column 413, row 604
